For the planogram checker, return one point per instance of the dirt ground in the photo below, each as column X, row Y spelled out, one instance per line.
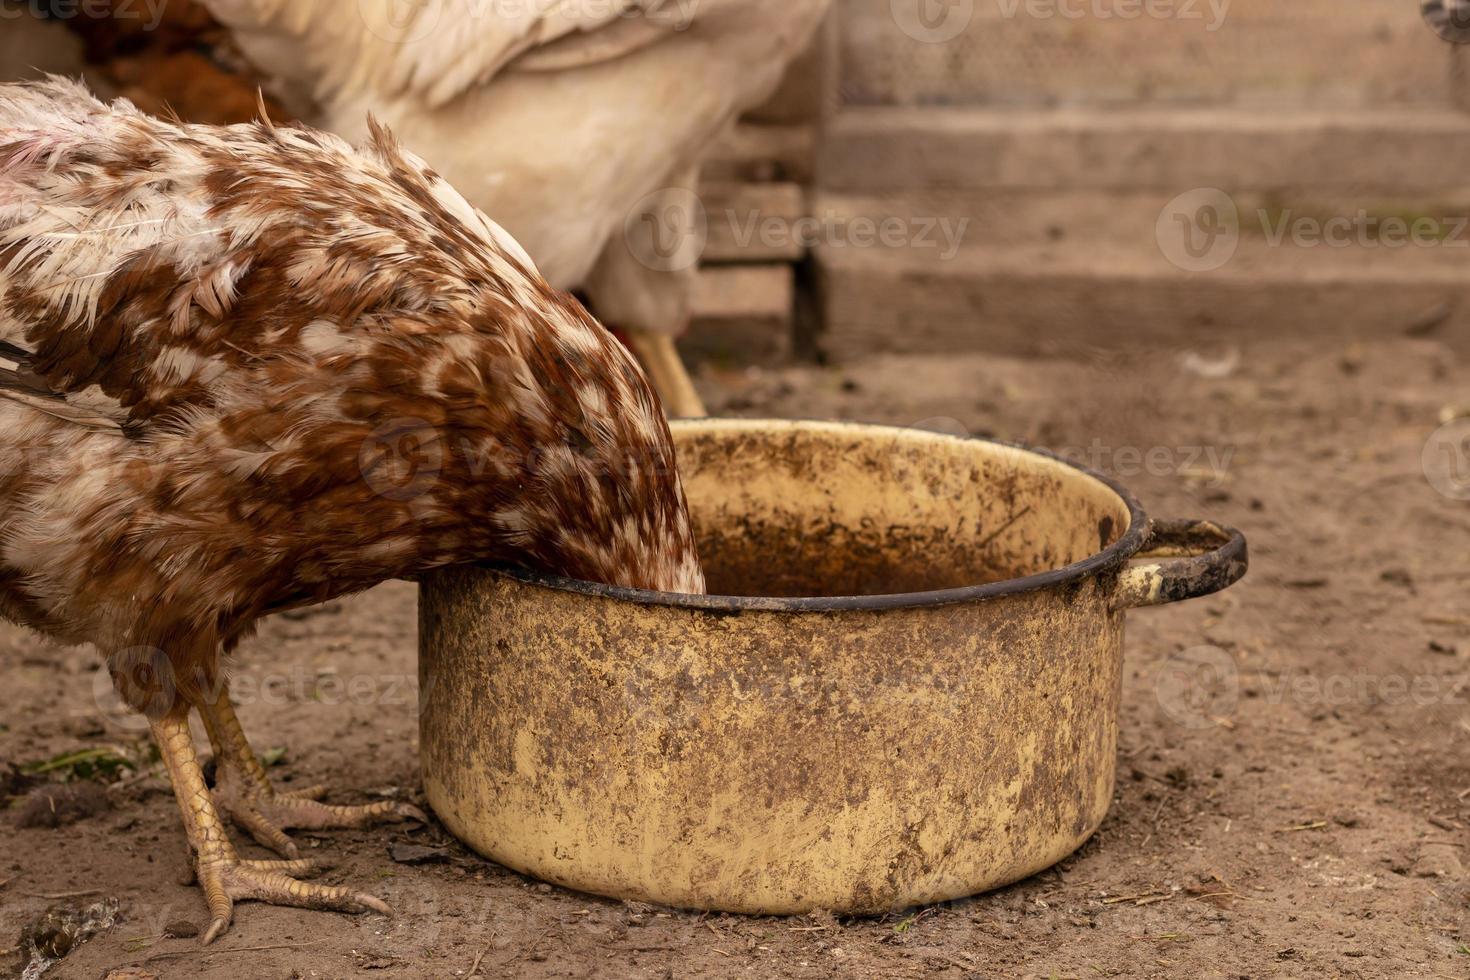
column 1294, row 788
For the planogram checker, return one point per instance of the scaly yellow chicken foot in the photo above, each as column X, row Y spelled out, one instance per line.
column 666, row 370
column 244, row 792
column 224, row 877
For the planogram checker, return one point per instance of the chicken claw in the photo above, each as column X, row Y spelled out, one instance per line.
column 224, row 877
column 244, row 793
column 228, row 880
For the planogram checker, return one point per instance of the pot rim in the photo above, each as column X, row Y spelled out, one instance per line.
column 1112, row 557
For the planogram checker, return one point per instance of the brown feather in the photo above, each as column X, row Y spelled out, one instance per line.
column 256, row 368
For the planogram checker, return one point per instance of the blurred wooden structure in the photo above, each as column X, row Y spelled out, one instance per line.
column 1061, row 131
column 758, row 192
column 1052, row 136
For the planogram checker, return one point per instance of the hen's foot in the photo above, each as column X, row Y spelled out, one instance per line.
column 244, row 792
column 226, row 880
column 224, row 877
column 266, row 814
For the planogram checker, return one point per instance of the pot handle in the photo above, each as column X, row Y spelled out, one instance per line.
column 1208, row 557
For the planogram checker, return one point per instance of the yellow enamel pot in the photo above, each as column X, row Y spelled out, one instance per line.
column 904, row 689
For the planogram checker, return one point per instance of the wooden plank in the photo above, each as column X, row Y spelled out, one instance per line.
column 754, row 222
column 803, row 93
column 1360, row 150
column 1039, row 53
column 764, row 153
column 757, row 292
column 742, row 315
column 1460, row 76
column 1080, row 297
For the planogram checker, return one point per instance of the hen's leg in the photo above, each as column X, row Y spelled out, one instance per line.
column 643, row 286
column 224, row 877
column 245, row 794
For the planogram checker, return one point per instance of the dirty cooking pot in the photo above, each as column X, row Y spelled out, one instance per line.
column 904, row 688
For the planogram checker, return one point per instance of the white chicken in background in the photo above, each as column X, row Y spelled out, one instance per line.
column 579, row 125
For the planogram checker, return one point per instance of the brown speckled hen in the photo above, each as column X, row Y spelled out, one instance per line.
column 249, row 369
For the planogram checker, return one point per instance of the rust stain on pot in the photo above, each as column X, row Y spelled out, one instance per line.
column 808, row 747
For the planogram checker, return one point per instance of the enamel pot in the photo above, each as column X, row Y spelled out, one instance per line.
column 903, row 690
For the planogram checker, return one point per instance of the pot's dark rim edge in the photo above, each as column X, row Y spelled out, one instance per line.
column 1114, row 556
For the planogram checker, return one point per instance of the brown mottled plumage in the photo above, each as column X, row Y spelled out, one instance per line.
column 579, row 125
column 252, row 368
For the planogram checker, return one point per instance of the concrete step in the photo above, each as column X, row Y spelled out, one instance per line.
column 1401, row 150
column 1069, row 274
